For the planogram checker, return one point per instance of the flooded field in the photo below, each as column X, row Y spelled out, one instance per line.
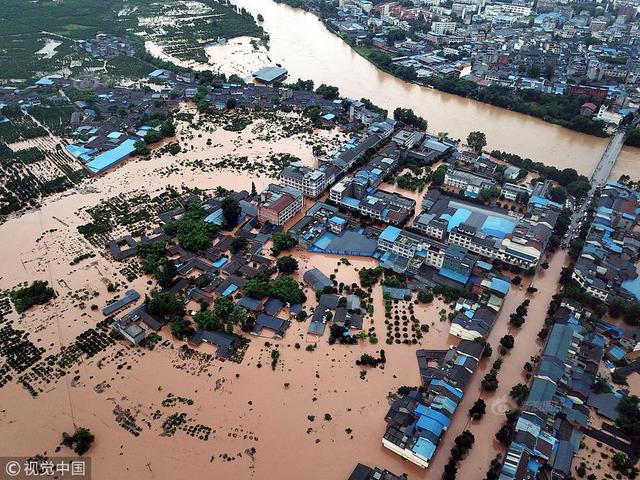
column 184, row 413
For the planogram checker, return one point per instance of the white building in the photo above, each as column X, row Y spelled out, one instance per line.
column 442, row 28
column 309, row 181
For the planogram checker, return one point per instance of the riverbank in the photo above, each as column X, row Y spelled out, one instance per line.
column 303, row 45
column 556, row 109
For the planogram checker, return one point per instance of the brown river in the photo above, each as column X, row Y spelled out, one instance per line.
column 308, row 50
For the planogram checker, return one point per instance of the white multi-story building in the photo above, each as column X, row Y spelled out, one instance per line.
column 309, row 181
column 470, row 183
column 442, row 28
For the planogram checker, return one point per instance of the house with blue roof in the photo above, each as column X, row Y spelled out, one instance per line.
column 546, row 436
column 417, row 421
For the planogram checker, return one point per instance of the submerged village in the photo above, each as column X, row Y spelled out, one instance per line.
column 259, row 278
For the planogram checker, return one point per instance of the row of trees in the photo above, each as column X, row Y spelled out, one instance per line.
column 574, row 183
column 560, row 109
column 463, row 443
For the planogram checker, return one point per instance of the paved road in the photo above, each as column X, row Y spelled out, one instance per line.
column 598, row 178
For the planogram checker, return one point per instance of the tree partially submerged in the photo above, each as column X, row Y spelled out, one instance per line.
column 80, row 441
column 38, row 293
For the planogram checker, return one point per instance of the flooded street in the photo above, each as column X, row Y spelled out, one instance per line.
column 498, row 403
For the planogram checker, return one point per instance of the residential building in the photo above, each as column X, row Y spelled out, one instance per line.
column 279, row 204
column 309, row 181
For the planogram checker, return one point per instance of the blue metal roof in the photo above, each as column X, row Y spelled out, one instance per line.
column 456, row 391
column 438, row 416
column 433, row 426
column 390, row 234
column 113, row 156
column 424, row 448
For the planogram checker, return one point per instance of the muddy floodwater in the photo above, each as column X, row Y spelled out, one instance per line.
column 167, row 413
column 628, row 163
column 302, row 44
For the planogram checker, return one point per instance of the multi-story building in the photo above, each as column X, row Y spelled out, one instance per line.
column 489, row 232
column 469, row 183
column 359, row 193
column 606, row 268
column 441, row 28
column 309, row 181
column 278, row 204
column 547, row 434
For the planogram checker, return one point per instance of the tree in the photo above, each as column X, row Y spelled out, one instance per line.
column 394, row 36
column 239, row 316
column 165, row 304
column 534, row 70
column 254, row 192
column 181, row 328
column 490, row 382
column 369, row 276
column 507, row 341
column 141, row 147
column 465, row 441
column 624, row 464
column 222, row 308
column 287, row 264
column 231, row 211
column 408, row 117
column 288, row 290
column 152, row 136
column 425, row 296
column 208, row 320
column 437, row 176
column 489, row 193
column 282, row 241
column 192, row 231
column 231, row 103
column 558, row 194
column 328, row 92
column 38, row 293
column 238, row 244
column 477, row 141
column 617, row 307
column 494, row 468
column 80, row 441
column 519, row 393
column 504, row 434
column 165, row 272
column 478, row 409
column 450, row 471
column 629, row 418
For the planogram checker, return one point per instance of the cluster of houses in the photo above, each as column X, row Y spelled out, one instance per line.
column 548, row 432
column 216, row 272
column 106, row 121
column 106, row 46
column 606, row 267
column 549, row 47
column 417, row 420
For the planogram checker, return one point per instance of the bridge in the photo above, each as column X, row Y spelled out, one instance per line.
column 598, row 178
